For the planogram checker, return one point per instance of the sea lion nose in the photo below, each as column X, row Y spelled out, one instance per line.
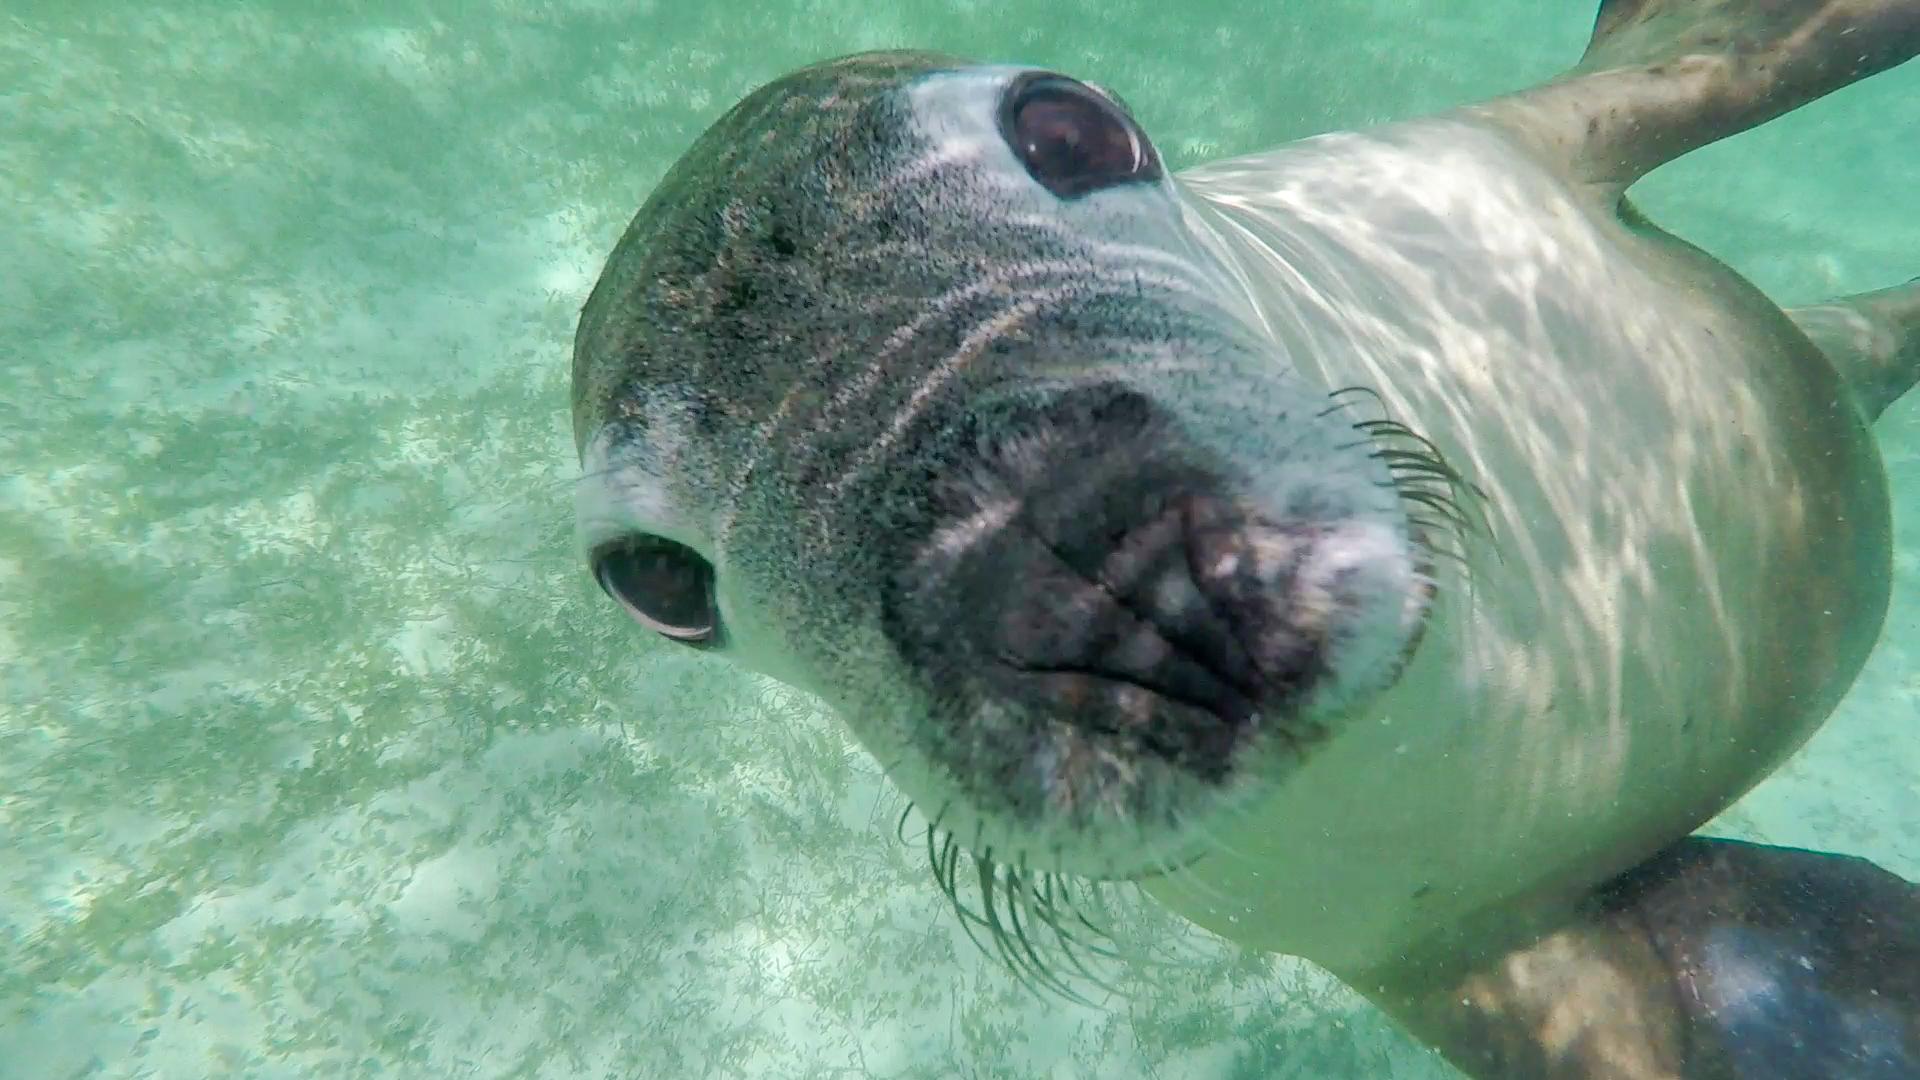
column 1098, row 568
column 1197, row 601
column 1194, row 627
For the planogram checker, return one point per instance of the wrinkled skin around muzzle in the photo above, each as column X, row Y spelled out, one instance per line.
column 1122, row 629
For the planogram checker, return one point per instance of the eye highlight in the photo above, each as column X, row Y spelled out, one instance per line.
column 1072, row 138
column 666, row 587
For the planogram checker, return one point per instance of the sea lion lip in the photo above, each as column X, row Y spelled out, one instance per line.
column 1117, row 803
column 1160, row 695
column 1119, row 854
column 1164, row 868
column 1094, row 723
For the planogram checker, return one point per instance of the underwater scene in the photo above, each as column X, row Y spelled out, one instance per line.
column 997, row 582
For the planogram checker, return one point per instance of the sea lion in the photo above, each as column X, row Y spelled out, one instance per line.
column 1385, row 549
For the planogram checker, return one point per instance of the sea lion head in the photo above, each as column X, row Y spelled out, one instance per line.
column 914, row 385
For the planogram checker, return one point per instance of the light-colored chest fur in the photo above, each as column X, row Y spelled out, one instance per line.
column 1686, row 558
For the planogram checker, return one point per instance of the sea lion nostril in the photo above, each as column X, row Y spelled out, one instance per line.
column 1249, row 571
column 1223, row 586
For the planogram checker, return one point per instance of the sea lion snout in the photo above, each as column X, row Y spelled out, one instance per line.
column 1189, row 630
column 1103, row 581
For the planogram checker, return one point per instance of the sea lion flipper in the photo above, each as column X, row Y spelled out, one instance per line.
column 1790, row 963
column 1661, row 78
column 1714, row 959
column 1873, row 339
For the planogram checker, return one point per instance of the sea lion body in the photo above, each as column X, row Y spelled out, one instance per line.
column 1687, row 551
column 1385, row 549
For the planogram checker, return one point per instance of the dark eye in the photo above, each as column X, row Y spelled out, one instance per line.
column 666, row 586
column 1071, row 137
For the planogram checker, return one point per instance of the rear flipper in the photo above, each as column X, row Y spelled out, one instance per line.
column 1714, row 959
column 1873, row 339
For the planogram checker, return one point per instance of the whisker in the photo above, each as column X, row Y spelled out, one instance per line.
column 1009, row 901
column 1424, row 478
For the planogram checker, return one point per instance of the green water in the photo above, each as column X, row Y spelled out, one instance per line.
column 320, row 756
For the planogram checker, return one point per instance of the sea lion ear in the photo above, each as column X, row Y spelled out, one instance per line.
column 1715, row 958
column 1662, row 78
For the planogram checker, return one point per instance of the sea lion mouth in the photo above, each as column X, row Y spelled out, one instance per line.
column 1123, row 633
